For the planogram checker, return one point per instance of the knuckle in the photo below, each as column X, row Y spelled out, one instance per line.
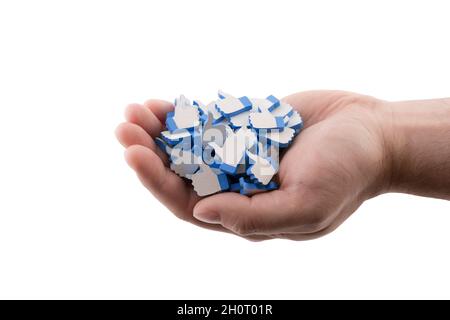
column 242, row 227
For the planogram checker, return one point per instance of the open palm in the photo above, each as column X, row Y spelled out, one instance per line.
column 334, row 165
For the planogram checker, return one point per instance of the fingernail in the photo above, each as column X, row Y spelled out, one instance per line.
column 207, row 216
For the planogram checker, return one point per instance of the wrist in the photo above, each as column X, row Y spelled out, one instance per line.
column 416, row 136
column 382, row 113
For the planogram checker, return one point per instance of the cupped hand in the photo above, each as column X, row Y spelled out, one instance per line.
column 339, row 160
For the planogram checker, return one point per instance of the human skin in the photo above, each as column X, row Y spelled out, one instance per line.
column 352, row 148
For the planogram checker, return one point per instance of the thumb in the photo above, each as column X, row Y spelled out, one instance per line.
column 263, row 213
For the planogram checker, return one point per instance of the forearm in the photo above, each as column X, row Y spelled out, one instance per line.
column 419, row 142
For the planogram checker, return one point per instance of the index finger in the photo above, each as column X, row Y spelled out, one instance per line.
column 160, row 108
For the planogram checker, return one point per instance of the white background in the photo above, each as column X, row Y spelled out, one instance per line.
column 76, row 223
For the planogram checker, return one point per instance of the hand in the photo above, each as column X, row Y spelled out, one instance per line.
column 339, row 160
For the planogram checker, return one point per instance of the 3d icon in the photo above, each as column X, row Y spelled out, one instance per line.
column 231, row 144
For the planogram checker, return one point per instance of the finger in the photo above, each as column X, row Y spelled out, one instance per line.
column 165, row 185
column 160, row 108
column 170, row 189
column 143, row 117
column 130, row 134
column 266, row 213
